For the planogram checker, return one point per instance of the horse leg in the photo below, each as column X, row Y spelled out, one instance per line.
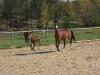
column 57, row 45
column 33, row 46
column 70, row 42
column 64, row 43
column 58, row 42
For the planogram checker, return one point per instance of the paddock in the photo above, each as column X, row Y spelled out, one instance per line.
column 82, row 59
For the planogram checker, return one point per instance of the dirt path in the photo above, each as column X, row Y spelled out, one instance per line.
column 83, row 59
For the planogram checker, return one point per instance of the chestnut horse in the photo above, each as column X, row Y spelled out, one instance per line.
column 33, row 39
column 63, row 35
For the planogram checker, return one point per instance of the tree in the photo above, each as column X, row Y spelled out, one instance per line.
column 85, row 11
column 95, row 12
column 90, row 12
column 44, row 16
column 6, row 11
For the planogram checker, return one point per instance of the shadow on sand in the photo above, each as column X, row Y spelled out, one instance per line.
column 44, row 52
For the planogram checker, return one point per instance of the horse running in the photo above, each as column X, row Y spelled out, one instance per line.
column 33, row 40
column 63, row 35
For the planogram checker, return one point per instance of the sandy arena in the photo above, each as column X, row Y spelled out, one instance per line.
column 82, row 59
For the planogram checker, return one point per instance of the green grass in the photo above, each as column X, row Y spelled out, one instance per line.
column 18, row 39
column 87, row 34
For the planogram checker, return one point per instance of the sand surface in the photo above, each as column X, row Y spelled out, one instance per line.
column 82, row 59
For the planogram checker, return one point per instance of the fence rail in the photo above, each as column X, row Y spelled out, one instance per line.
column 44, row 30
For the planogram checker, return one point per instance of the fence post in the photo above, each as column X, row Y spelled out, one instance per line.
column 12, row 42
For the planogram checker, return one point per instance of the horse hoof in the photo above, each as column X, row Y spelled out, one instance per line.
column 58, row 50
column 32, row 49
column 71, row 48
column 63, row 50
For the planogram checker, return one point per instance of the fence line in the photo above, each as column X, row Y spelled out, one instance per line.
column 86, row 28
column 44, row 30
column 88, row 40
column 12, row 37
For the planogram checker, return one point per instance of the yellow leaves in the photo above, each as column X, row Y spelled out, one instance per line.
column 44, row 12
column 69, row 7
column 85, row 7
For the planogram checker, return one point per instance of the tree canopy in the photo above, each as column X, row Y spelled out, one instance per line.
column 81, row 12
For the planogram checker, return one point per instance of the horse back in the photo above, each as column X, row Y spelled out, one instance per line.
column 65, row 34
column 35, row 38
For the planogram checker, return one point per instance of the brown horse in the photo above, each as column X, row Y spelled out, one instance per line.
column 63, row 35
column 33, row 40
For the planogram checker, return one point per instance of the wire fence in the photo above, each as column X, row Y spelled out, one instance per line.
column 16, row 39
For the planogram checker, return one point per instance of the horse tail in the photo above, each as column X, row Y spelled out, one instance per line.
column 72, row 34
